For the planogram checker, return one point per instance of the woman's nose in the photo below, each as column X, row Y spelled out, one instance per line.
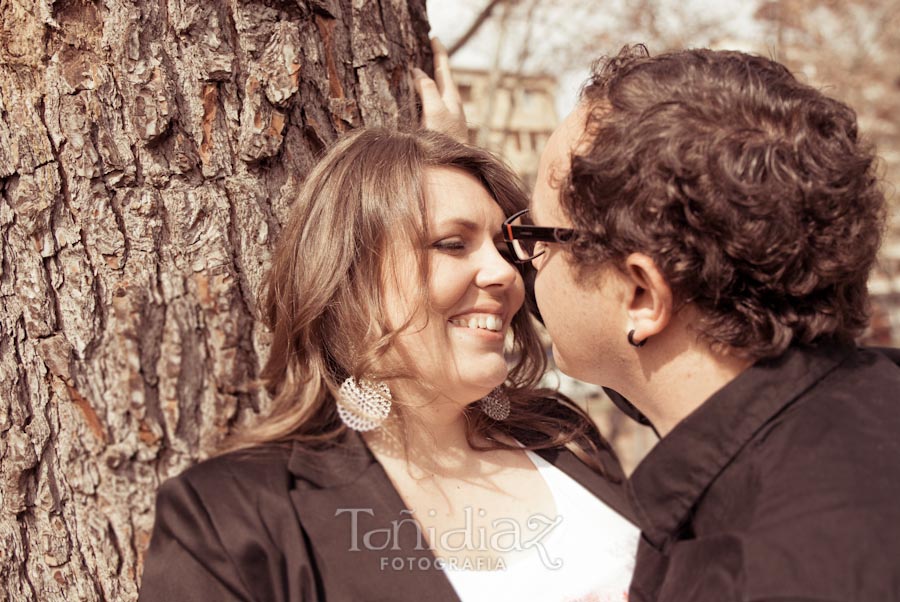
column 495, row 270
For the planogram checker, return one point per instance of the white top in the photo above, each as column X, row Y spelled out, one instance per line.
column 584, row 554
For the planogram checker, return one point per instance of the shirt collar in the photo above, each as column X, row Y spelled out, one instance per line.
column 678, row 470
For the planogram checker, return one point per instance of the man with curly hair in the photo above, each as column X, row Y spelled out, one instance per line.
column 702, row 228
column 715, row 224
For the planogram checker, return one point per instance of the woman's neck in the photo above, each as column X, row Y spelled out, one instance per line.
column 431, row 435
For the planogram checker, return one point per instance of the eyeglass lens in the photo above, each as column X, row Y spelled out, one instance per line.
column 525, row 249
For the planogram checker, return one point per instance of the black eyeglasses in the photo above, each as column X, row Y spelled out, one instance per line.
column 525, row 240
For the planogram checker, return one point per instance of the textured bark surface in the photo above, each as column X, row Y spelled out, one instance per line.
column 148, row 154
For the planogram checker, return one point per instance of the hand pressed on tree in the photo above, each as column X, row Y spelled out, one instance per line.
column 442, row 108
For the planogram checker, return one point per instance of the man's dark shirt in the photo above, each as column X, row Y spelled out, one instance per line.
column 782, row 486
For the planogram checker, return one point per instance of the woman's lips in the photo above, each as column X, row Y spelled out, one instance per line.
column 490, row 322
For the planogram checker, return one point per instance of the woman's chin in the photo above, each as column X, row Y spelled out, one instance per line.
column 481, row 388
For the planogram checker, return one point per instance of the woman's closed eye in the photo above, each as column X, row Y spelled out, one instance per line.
column 450, row 245
column 457, row 246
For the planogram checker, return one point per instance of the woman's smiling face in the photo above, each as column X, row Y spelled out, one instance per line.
column 454, row 343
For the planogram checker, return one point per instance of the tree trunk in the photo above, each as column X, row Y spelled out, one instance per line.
column 149, row 152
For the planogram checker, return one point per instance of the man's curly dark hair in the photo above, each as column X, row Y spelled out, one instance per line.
column 752, row 192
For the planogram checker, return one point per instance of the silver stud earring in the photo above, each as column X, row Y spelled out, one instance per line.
column 363, row 406
column 496, row 404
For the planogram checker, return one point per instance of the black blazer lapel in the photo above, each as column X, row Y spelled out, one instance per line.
column 364, row 542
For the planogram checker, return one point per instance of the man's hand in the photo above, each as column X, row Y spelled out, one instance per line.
column 442, row 108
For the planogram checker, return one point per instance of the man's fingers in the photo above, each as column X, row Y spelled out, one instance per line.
column 441, row 57
column 428, row 91
column 443, row 76
column 441, row 106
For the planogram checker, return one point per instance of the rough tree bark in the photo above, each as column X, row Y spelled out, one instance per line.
column 148, row 154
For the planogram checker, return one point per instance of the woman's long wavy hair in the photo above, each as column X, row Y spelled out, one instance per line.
column 323, row 298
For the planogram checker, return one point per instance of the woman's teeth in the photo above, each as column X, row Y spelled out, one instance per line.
column 487, row 322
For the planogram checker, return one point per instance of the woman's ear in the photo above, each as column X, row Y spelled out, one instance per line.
column 649, row 298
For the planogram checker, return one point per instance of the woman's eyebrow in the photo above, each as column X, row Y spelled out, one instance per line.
column 467, row 224
column 463, row 222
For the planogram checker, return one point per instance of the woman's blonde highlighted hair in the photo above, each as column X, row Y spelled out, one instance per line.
column 323, row 297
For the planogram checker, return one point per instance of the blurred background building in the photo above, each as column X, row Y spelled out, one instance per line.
column 519, row 64
column 511, row 113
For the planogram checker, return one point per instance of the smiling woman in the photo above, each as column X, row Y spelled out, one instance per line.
column 407, row 448
column 473, row 292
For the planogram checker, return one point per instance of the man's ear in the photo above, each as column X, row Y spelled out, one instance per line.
column 649, row 297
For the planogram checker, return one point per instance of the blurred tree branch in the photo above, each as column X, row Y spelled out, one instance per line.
column 480, row 20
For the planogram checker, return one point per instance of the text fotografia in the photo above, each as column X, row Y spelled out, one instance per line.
column 508, row 536
column 424, row 563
